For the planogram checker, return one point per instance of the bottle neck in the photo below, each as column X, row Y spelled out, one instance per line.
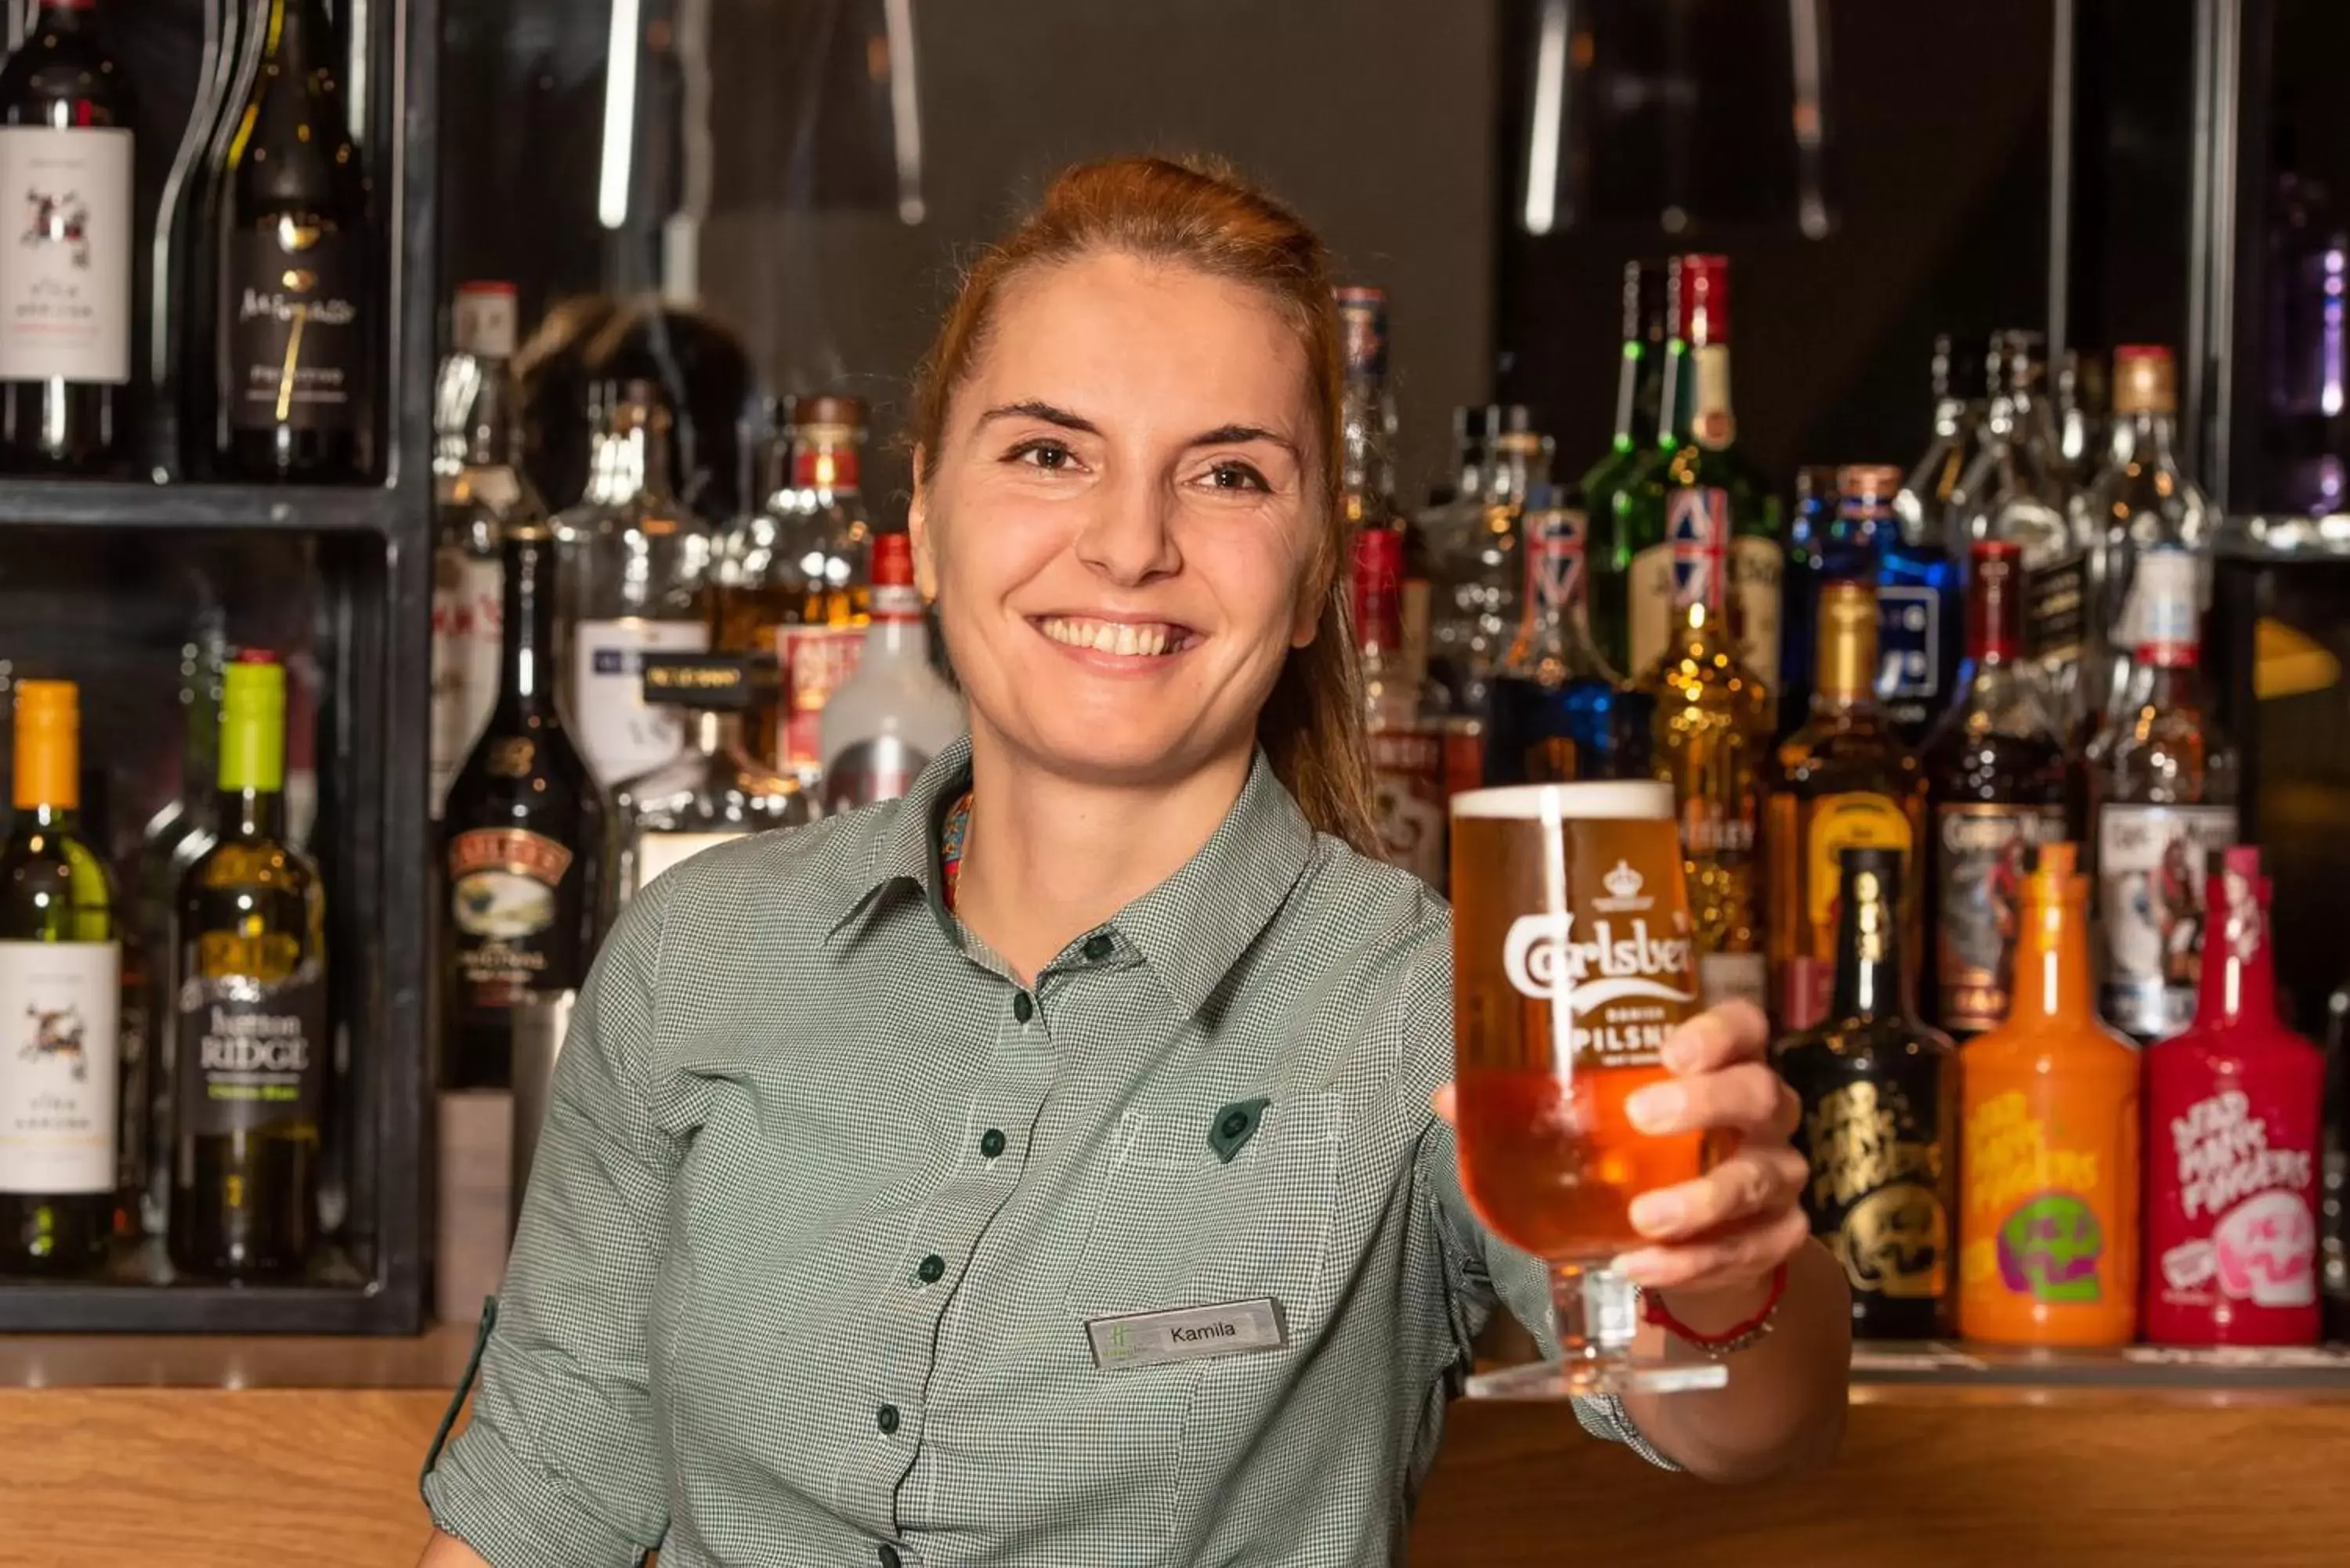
column 1639, row 388
column 527, row 643
column 716, row 734
column 1847, row 684
column 62, row 820
column 493, row 425
column 2053, row 982
column 821, row 465
column 253, row 813
column 1868, row 958
column 2150, row 437
column 628, row 460
column 2239, row 985
column 1699, row 381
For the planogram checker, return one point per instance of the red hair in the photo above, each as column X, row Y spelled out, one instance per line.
column 1201, row 215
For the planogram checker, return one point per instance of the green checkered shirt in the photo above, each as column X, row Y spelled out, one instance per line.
column 825, row 1201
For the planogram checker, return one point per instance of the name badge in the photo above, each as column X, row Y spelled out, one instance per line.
column 1187, row 1333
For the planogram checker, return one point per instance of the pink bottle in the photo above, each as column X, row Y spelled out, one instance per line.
column 2232, row 1139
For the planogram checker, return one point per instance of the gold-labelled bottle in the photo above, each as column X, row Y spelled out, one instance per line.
column 1843, row 780
column 1711, row 733
column 252, row 1033
column 60, row 998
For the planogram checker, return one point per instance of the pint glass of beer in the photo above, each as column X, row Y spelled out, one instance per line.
column 1573, row 958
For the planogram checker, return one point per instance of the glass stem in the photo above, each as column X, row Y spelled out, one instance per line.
column 1595, row 1312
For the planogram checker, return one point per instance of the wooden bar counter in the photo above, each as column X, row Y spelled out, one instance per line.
column 209, row 1453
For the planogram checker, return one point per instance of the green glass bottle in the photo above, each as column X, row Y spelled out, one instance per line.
column 1696, row 481
column 60, row 1000
column 1639, row 393
column 253, row 1052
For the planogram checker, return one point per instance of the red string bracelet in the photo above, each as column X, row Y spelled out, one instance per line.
column 1737, row 1337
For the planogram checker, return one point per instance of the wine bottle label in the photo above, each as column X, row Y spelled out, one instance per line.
column 467, row 611
column 817, row 661
column 619, row 733
column 296, row 336
column 60, row 1066
column 1908, row 643
column 656, row 852
column 1876, row 1191
column 1978, row 855
column 65, row 281
column 252, row 1054
column 1756, row 569
column 2150, row 875
column 1407, row 792
column 2055, row 597
column 507, row 896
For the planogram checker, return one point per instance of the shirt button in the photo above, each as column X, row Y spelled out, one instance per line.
column 1235, row 1123
column 1096, row 949
column 932, row 1267
column 1021, row 1008
column 887, row 1419
column 889, row 1558
column 990, row 1143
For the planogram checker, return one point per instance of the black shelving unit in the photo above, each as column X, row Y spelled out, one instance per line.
column 118, row 553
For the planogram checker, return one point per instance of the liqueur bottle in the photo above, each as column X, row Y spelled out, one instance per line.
column 1698, row 470
column 2163, row 794
column 66, row 115
column 523, row 841
column 1996, row 785
column 2232, row 1112
column 60, row 1003
column 1840, row 782
column 2049, row 1196
column 253, row 1051
column 716, row 791
column 1879, row 1128
column 1559, row 712
column 1367, row 430
column 1814, row 539
column 635, row 565
column 1407, row 746
column 1709, row 740
column 295, row 323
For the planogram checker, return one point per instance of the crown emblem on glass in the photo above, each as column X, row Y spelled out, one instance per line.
column 1623, row 882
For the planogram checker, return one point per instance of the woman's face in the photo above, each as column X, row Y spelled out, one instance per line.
column 1121, row 529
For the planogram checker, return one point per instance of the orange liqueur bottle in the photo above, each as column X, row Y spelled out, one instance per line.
column 2048, row 1217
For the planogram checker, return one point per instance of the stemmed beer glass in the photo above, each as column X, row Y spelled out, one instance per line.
column 1573, row 958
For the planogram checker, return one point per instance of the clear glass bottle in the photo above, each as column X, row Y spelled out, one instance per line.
column 2163, row 794
column 482, row 492
column 2019, row 491
column 1710, row 739
column 716, row 790
column 1933, row 500
column 2141, row 500
column 635, row 581
column 1475, row 546
column 882, row 725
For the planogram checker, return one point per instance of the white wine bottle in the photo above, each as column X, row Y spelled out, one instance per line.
column 60, row 1002
column 254, row 1054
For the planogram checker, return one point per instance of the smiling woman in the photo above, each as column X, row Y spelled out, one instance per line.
column 1044, row 1168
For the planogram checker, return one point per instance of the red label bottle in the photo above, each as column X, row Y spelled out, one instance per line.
column 2232, row 1109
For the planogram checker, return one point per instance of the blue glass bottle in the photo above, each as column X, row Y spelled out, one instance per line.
column 1808, row 533
column 1558, row 711
column 1919, row 629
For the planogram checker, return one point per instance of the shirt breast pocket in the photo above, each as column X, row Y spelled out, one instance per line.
column 1175, row 1225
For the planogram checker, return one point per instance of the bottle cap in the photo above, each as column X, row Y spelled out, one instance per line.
column 483, row 320
column 252, row 724
column 48, row 745
column 1704, row 297
column 830, row 409
column 1868, row 483
column 2146, row 381
column 2241, row 859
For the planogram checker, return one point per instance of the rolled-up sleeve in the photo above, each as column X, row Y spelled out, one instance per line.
column 559, row 1466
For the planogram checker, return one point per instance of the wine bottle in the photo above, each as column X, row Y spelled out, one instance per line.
column 60, row 997
column 65, row 278
column 253, row 1052
column 294, row 325
column 522, row 838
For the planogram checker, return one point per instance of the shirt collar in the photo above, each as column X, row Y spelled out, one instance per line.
column 1191, row 929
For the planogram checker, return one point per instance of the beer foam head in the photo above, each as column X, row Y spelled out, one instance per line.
column 1599, row 800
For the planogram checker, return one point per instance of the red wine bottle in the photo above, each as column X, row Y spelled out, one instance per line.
column 66, row 269
column 295, row 323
